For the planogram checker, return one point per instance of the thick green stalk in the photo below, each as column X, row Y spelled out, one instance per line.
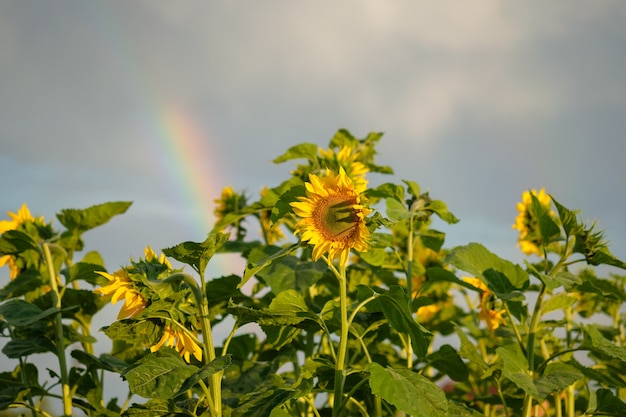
column 530, row 347
column 409, row 286
column 207, row 340
column 340, row 373
column 65, row 386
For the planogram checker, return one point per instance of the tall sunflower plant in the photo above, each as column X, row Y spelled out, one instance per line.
column 349, row 304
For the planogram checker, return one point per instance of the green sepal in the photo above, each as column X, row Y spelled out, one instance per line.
column 13, row 242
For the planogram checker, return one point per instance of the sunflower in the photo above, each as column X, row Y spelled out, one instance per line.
column 22, row 216
column 492, row 317
column 151, row 254
column 120, row 285
column 526, row 221
column 271, row 231
column 332, row 216
column 181, row 341
column 346, row 158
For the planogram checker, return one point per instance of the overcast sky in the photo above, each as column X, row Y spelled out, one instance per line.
column 164, row 103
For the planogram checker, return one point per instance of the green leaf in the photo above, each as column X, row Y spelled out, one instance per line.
column 461, row 410
column 448, row 361
column 282, row 207
column 105, row 361
column 301, row 151
column 83, row 271
column 13, row 242
column 558, row 302
column 556, row 377
column 154, row 408
column 432, row 239
column 81, row 220
column 387, row 190
column 21, row 313
column 290, row 272
column 395, row 305
column 197, row 254
column 594, row 340
column 469, row 351
column 158, row 375
column 253, row 266
column 217, row 365
column 408, row 391
column 17, row 348
column 548, row 228
column 502, row 277
column 24, row 283
column 397, row 210
column 440, row 209
column 134, row 332
column 568, row 219
column 413, row 187
column 609, row 404
column 516, row 368
column 262, row 401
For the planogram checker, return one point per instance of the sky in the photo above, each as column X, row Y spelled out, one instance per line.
column 164, row 103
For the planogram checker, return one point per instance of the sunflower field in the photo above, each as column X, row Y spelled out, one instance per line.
column 349, row 304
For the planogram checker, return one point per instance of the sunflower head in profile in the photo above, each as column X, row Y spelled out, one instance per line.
column 526, row 221
column 332, row 216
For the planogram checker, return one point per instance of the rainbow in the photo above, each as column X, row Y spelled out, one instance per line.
column 176, row 143
column 182, row 150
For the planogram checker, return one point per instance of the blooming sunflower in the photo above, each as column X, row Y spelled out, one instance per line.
column 120, row 285
column 526, row 221
column 332, row 216
column 492, row 317
column 181, row 341
column 22, row 216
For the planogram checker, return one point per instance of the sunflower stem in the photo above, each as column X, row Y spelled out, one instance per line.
column 215, row 398
column 340, row 373
column 60, row 342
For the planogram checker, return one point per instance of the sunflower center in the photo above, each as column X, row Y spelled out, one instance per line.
column 336, row 217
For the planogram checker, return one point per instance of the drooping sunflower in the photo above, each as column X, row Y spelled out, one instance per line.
column 332, row 216
column 18, row 219
column 488, row 313
column 121, row 286
column 151, row 254
column 526, row 221
column 181, row 341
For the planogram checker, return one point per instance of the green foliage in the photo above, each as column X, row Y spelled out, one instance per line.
column 407, row 327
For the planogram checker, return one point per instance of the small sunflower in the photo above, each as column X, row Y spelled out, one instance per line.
column 526, row 221
column 271, row 231
column 492, row 317
column 346, row 158
column 181, row 341
column 22, row 216
column 332, row 216
column 151, row 254
column 121, row 286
